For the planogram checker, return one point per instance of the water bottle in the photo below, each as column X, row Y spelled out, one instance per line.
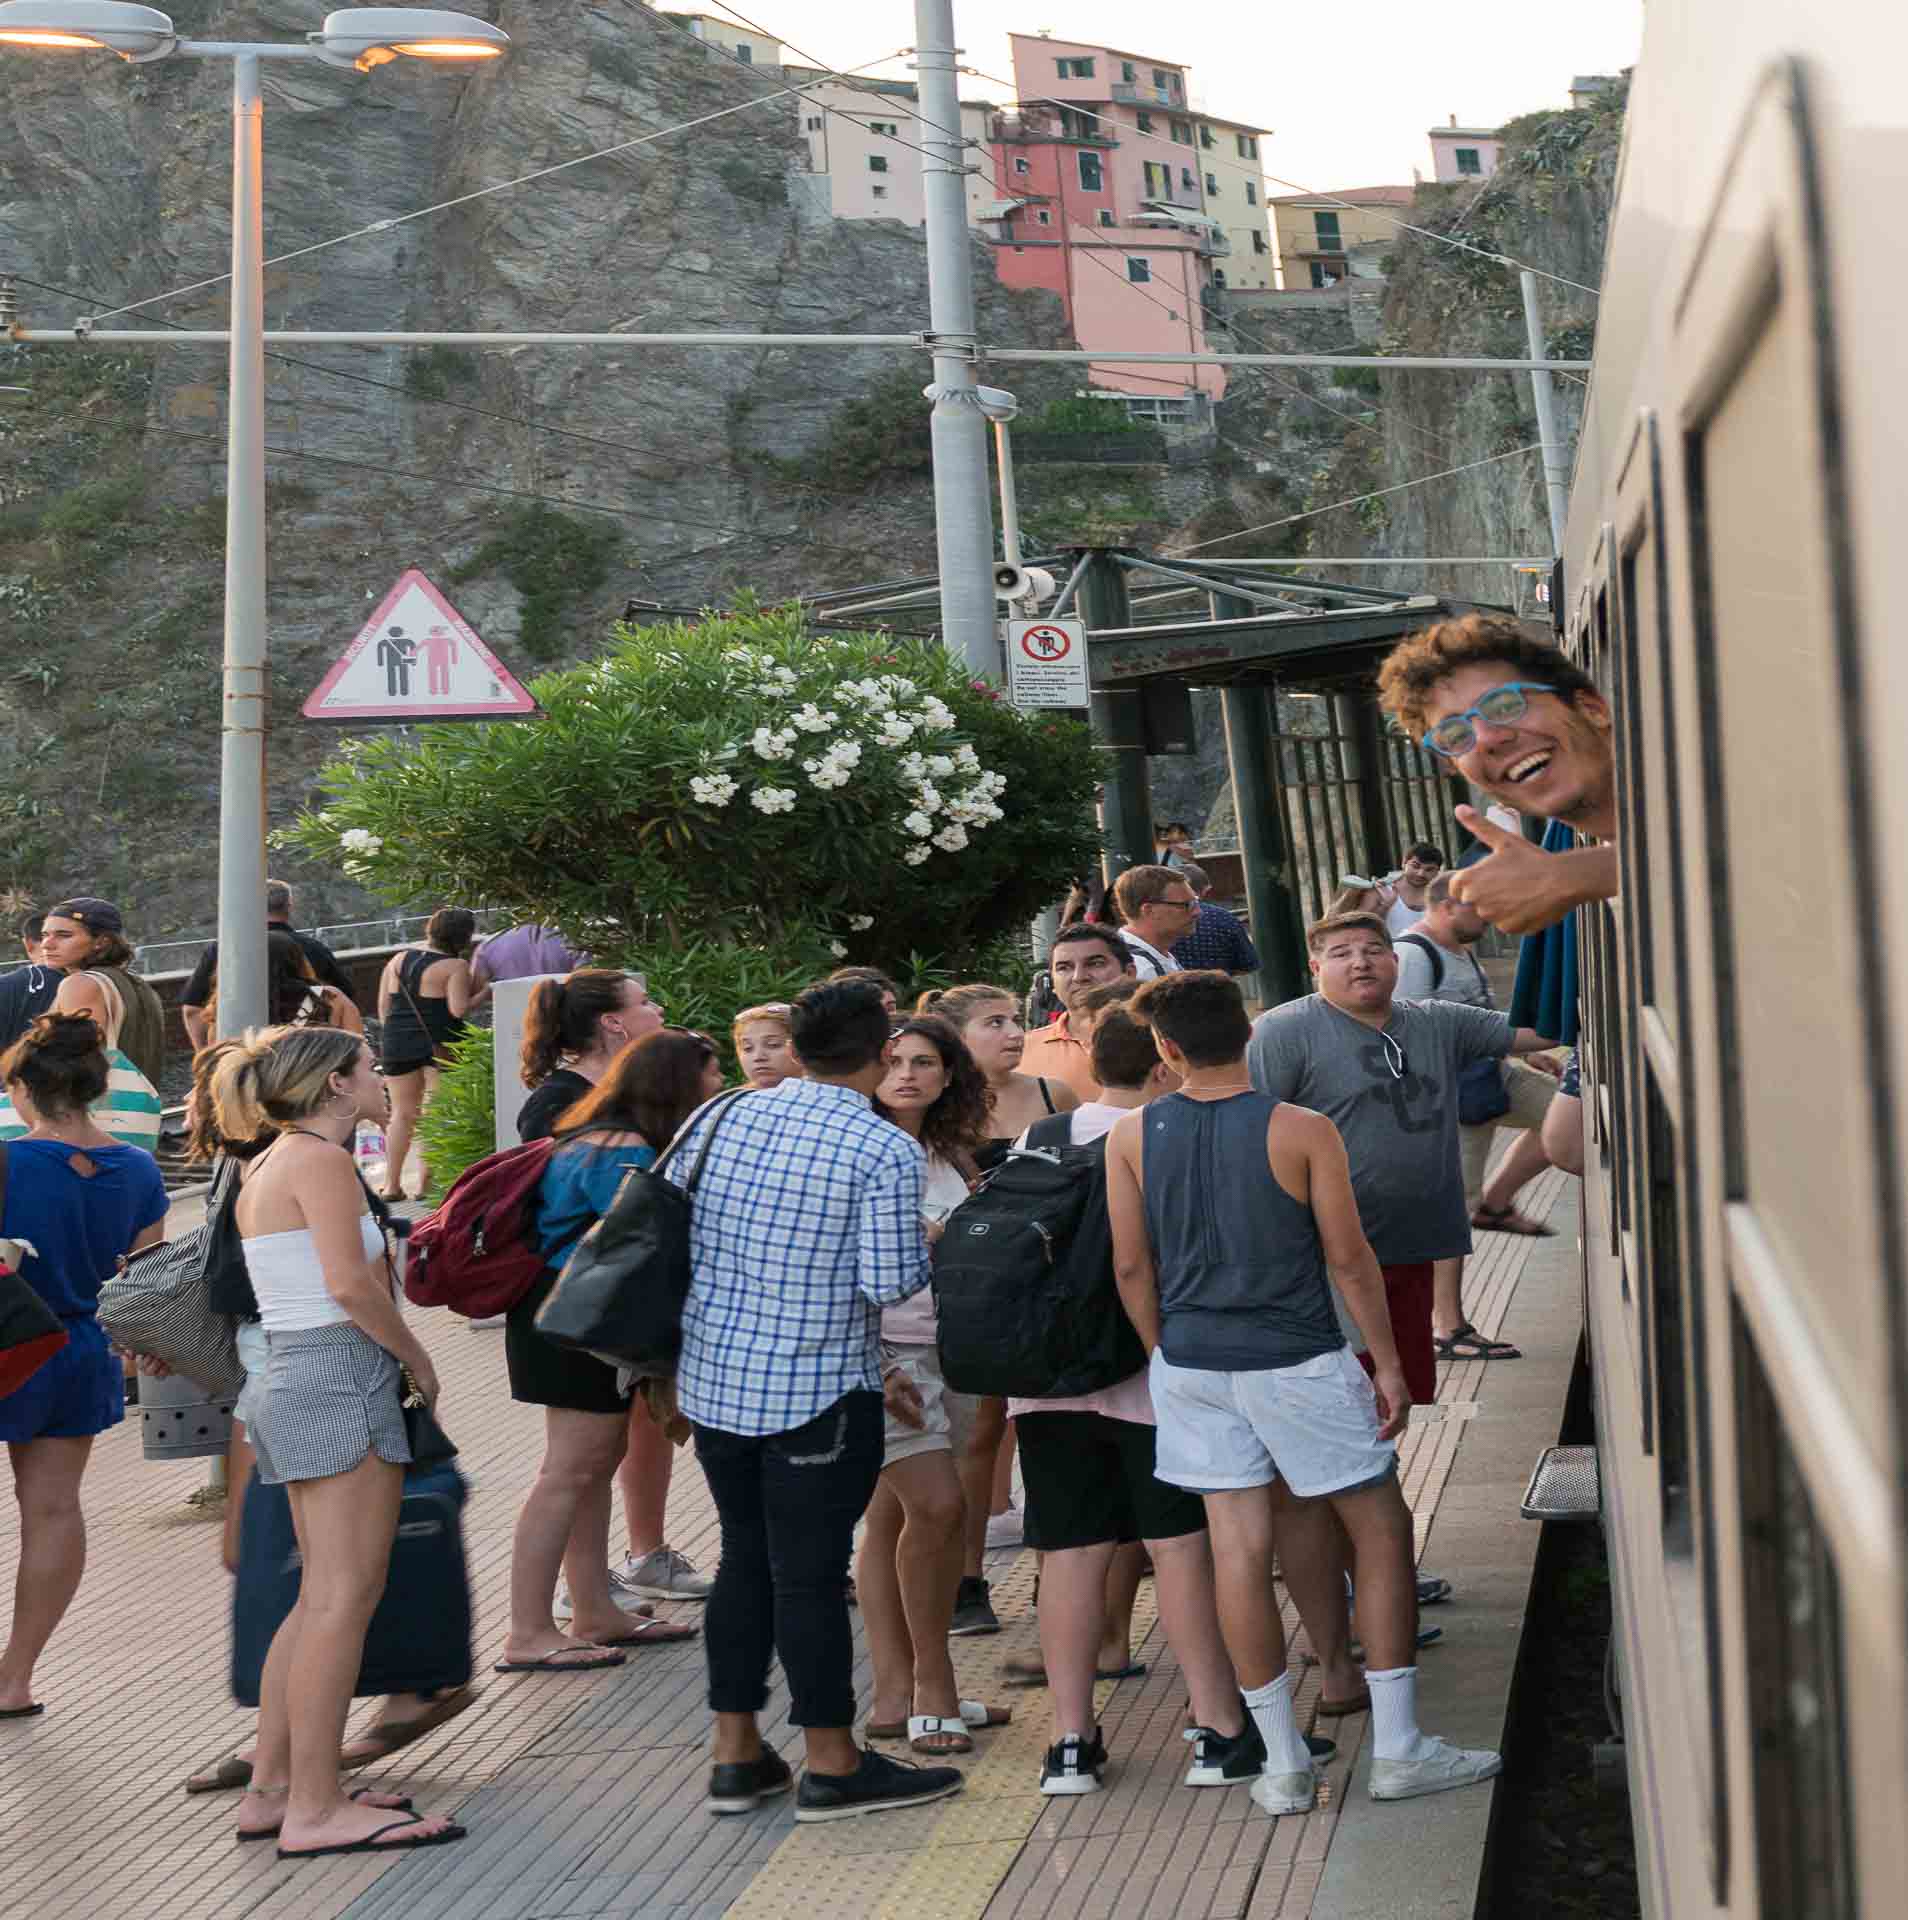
column 370, row 1149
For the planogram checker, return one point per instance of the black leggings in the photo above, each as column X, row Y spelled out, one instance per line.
column 788, row 1503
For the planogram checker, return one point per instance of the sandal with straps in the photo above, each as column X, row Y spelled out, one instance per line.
column 1466, row 1343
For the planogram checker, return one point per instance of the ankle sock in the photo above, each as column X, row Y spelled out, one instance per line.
column 1271, row 1708
column 1394, row 1714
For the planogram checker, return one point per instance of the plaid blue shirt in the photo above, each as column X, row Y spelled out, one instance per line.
column 806, row 1223
column 1218, row 939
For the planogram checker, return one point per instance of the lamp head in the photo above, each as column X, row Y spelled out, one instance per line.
column 109, row 26
column 996, row 403
column 366, row 37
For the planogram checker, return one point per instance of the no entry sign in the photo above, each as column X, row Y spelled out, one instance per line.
column 1046, row 663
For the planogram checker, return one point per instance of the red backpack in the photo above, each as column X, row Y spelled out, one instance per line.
column 476, row 1254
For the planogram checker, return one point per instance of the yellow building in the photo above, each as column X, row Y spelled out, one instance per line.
column 1320, row 234
column 1233, row 192
column 749, row 49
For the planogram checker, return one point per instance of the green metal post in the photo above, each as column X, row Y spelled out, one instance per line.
column 1118, row 723
column 1358, row 722
column 1278, row 925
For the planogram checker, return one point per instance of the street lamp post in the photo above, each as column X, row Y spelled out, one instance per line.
column 360, row 37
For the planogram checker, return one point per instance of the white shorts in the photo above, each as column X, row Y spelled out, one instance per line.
column 1314, row 1425
column 947, row 1417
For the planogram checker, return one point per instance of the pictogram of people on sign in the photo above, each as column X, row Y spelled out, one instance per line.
column 439, row 648
column 397, row 654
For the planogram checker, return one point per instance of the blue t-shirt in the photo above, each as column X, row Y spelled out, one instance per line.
column 579, row 1182
column 79, row 1224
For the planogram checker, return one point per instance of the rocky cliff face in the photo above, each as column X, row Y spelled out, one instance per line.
column 114, row 185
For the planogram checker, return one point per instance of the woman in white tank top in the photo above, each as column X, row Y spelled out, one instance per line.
column 325, row 1423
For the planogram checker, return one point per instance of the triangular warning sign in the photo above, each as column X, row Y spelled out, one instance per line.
column 417, row 658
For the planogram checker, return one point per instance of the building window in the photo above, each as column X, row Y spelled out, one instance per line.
column 1128, row 72
column 1328, row 237
column 1162, row 79
column 1212, row 185
column 1182, row 132
column 1022, row 164
column 1106, row 217
column 1205, row 138
column 1320, row 277
column 890, row 127
column 877, row 163
column 1159, row 181
column 1092, row 175
column 1469, row 160
column 1075, row 69
column 1042, row 217
column 814, row 123
column 1077, row 126
column 1252, row 193
column 880, row 193
column 1138, row 268
column 1259, row 242
column 1144, row 121
column 1188, row 179
column 745, row 55
column 1247, row 144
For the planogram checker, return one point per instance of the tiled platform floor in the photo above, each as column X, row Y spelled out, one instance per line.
column 583, row 1793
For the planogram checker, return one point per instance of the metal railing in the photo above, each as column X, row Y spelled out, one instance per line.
column 179, row 956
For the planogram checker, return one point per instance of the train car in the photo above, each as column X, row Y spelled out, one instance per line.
column 1741, row 491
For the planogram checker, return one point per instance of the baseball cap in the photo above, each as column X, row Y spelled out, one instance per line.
column 96, row 916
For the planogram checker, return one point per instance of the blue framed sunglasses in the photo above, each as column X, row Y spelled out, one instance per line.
column 1503, row 706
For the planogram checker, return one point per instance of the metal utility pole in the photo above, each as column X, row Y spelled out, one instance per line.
column 1119, row 722
column 1556, row 469
column 963, row 509
column 242, row 953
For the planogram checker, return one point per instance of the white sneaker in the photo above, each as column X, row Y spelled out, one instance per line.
column 662, row 1575
column 1438, row 1767
column 626, row 1601
column 1004, row 1529
column 1286, row 1792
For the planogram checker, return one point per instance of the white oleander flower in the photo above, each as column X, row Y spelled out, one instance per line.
column 918, row 824
column 860, row 922
column 713, row 789
column 773, row 799
column 771, row 745
column 895, row 730
column 838, row 950
column 951, row 839
column 936, row 716
column 928, row 797
column 359, row 840
column 913, row 767
column 825, row 773
column 811, row 719
column 914, row 856
column 940, row 765
column 966, row 758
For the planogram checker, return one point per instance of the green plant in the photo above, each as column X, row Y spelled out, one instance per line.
column 753, row 182
column 431, row 372
column 1076, row 413
column 885, row 431
column 460, row 1125
column 553, row 560
column 740, row 787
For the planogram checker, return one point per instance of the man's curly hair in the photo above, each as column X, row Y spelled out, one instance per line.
column 1416, row 666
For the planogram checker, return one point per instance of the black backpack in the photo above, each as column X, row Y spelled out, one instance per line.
column 1023, row 1277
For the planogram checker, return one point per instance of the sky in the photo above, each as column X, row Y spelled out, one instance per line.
column 1348, row 90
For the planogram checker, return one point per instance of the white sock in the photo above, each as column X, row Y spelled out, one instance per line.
column 1394, row 1714
column 1285, row 1748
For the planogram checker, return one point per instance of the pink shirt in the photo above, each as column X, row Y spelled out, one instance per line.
column 1128, row 1399
column 911, row 1322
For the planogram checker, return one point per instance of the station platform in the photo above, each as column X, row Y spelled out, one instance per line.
column 583, row 1792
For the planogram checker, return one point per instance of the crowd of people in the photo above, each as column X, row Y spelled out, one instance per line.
column 1288, row 1204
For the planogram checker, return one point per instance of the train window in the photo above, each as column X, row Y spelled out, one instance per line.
column 1793, row 1606
column 1636, row 805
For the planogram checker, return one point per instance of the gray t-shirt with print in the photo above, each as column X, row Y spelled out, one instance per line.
column 1395, row 1106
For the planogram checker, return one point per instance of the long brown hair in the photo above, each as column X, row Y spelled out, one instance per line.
column 204, row 1141
column 562, row 1015
column 653, row 1085
column 957, row 1121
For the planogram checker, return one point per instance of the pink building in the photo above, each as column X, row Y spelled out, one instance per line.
column 1100, row 172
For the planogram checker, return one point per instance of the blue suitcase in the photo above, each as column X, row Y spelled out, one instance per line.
column 419, row 1637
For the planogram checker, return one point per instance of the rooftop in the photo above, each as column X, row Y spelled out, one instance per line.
column 1125, row 53
column 1352, row 197
column 1463, row 133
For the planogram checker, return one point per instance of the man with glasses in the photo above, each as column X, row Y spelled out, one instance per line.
column 1385, row 1073
column 1157, row 907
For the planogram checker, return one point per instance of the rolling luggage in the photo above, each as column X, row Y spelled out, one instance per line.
column 419, row 1637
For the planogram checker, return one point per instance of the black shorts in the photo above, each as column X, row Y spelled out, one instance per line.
column 542, row 1374
column 1089, row 1479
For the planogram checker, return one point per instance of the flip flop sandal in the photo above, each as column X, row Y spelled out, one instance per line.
column 923, row 1727
column 22, row 1713
column 386, row 1737
column 1133, row 1670
column 652, row 1633
column 1509, row 1220
column 1466, row 1343
column 363, row 1795
column 229, row 1774
column 374, row 1842
column 570, row 1660
column 1023, row 1670
column 1432, row 1590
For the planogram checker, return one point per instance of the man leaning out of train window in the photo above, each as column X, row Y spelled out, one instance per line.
column 1513, row 716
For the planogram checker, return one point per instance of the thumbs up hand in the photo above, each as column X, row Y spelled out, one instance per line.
column 1519, row 888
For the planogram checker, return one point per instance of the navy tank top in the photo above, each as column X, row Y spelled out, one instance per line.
column 1242, row 1282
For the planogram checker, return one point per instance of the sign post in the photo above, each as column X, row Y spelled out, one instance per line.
column 418, row 658
column 1047, row 663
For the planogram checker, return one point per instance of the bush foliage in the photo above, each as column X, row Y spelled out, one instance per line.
column 732, row 807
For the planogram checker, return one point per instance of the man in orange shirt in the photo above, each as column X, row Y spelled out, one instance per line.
column 1084, row 956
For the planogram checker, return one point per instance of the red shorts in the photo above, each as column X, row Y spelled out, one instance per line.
column 1408, row 1295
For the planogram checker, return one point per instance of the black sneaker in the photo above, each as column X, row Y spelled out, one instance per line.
column 740, row 1786
column 973, row 1611
column 1073, row 1765
column 1222, row 1761
column 875, row 1786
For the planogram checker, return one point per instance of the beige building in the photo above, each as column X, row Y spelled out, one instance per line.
column 1319, row 234
column 750, row 49
column 1233, row 192
column 868, row 156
